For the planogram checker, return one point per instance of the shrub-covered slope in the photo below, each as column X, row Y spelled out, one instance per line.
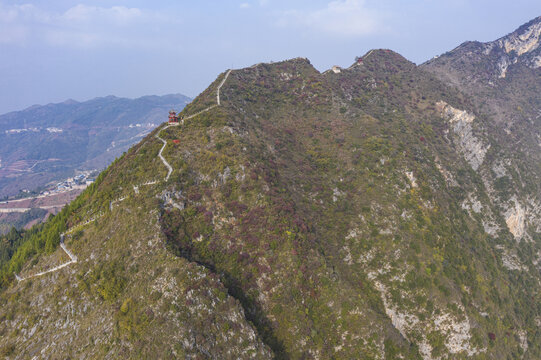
column 336, row 215
column 503, row 79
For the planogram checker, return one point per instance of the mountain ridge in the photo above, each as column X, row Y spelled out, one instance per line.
column 97, row 98
column 376, row 212
column 520, row 46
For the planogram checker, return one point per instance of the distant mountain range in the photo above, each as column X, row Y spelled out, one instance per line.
column 46, row 143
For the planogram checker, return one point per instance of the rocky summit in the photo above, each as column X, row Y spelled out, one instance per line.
column 380, row 211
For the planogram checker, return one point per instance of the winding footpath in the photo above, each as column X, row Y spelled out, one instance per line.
column 220, row 86
column 116, row 201
column 136, row 187
column 364, row 58
column 73, row 257
column 169, row 167
column 160, row 154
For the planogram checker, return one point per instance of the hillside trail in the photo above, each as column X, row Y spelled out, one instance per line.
column 365, row 57
column 73, row 257
column 167, row 165
column 22, row 210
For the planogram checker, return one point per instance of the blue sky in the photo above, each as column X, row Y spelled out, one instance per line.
column 54, row 50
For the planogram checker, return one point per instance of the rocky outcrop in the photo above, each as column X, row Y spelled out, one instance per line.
column 473, row 149
column 522, row 41
column 515, row 219
column 455, row 330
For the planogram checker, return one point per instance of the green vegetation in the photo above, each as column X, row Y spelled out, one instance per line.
column 329, row 214
column 18, row 247
column 107, row 281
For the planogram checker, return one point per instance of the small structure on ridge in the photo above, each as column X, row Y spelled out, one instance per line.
column 173, row 118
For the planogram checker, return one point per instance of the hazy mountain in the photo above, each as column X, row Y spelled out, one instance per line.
column 45, row 143
column 384, row 211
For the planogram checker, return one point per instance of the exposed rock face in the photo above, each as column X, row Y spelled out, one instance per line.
column 472, row 204
column 494, row 75
column 519, row 46
column 172, row 199
column 411, row 178
column 524, row 40
column 511, row 260
column 458, row 334
column 454, row 329
column 472, row 147
column 515, row 219
column 492, row 59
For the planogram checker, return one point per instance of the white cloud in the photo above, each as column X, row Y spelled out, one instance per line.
column 12, row 29
column 247, row 5
column 81, row 26
column 340, row 17
column 116, row 15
